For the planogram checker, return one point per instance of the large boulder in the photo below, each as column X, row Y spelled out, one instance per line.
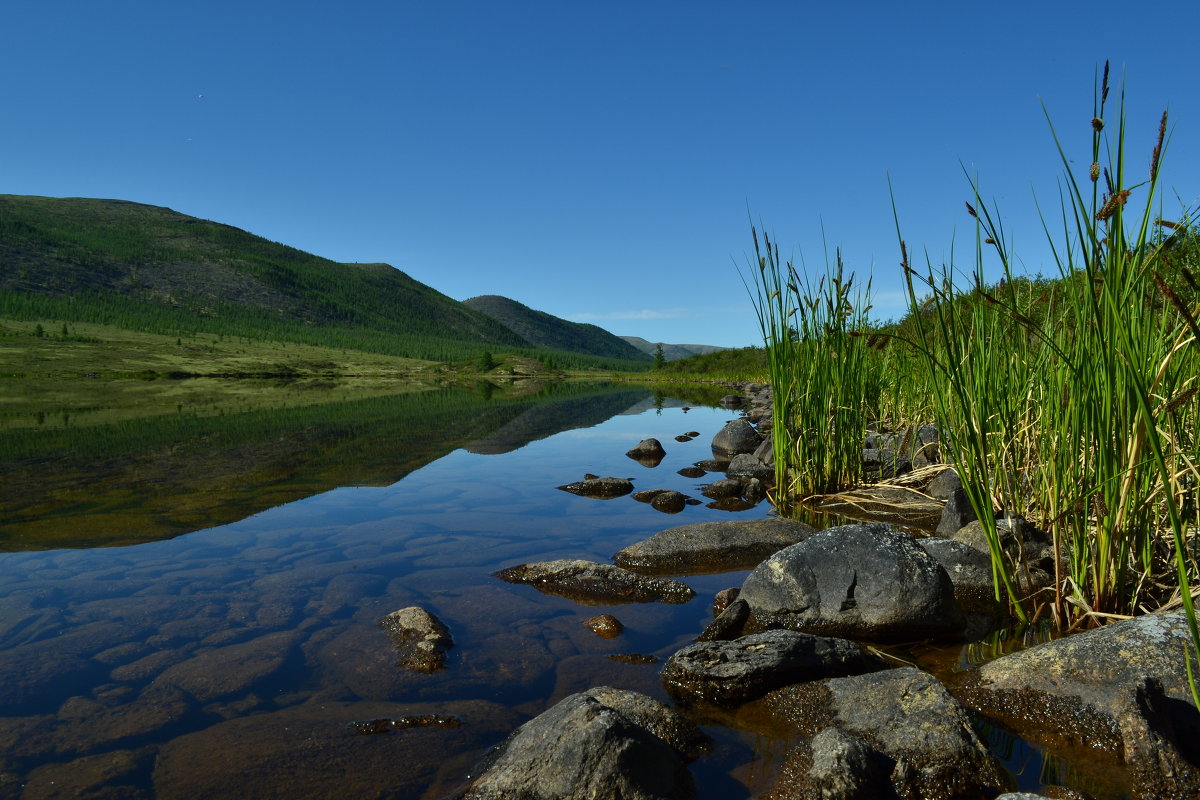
column 868, row 582
column 728, row 673
column 596, row 745
column 591, row 583
column 906, row 716
column 1122, row 689
column 738, row 436
column 712, row 546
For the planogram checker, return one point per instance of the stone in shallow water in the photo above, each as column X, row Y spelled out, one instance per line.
column 605, row 625
column 712, row 546
column 728, row 673
column 420, row 638
column 600, row 488
column 589, row 582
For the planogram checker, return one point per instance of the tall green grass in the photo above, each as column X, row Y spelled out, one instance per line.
column 1076, row 405
column 824, row 373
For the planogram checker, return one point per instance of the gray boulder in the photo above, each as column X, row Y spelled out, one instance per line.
column 595, row 745
column 869, row 582
column 712, row 546
column 738, row 436
column 747, row 466
column 597, row 584
column 908, row 717
column 1121, row 689
column 944, row 484
column 421, row 638
column 726, row 487
column 647, row 449
column 970, row 571
column 729, row 673
column 669, row 501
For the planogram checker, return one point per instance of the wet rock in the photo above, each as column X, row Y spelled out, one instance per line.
column 863, row 582
column 313, row 751
column 115, row 774
column 712, row 546
column 723, row 598
column 656, row 717
column 682, row 438
column 907, row 716
column 738, row 436
column 754, row 492
column 647, row 495
column 589, row 582
column 605, row 625
column 1121, row 689
column 669, row 502
column 600, row 488
column 718, row 490
column 765, row 453
column 584, row 748
column 633, row 658
column 747, row 466
column 692, row 472
column 648, row 453
column 420, row 638
column 728, row 625
column 713, row 464
column 728, row 673
column 692, row 434
column 833, row 765
column 732, row 401
column 956, row 514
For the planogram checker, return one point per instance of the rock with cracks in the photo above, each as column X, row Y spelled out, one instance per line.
column 712, row 546
column 602, row 744
column 596, row 584
column 728, row 673
column 863, row 582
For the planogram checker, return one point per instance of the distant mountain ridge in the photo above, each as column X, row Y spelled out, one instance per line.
column 547, row 330
column 152, row 268
column 672, row 352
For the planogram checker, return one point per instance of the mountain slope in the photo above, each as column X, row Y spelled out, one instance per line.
column 547, row 330
column 672, row 352
column 113, row 260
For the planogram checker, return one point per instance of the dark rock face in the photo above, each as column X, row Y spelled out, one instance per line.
column 728, row 673
column 970, row 571
column 692, row 472
column 595, row 745
column 746, row 465
column 956, row 514
column 712, row 546
column 601, row 488
column 589, row 582
column 833, row 765
column 726, row 487
column 648, row 453
column 868, row 582
column 723, row 598
column 736, row 437
column 727, row 625
column 906, row 716
column 1122, row 688
column 420, row 638
column 669, row 502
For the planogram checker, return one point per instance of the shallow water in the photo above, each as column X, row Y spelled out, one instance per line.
column 232, row 661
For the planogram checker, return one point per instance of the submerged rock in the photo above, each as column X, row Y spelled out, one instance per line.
column 728, row 673
column 589, row 582
column 420, row 638
column 908, row 717
column 602, row 744
column 1121, row 689
column 868, row 582
column 600, row 488
column 712, row 546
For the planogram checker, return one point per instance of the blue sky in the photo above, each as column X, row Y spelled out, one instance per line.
column 600, row 161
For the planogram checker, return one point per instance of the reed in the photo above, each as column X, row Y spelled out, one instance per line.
column 824, row 370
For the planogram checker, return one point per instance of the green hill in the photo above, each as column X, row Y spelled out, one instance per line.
column 151, row 268
column 672, row 352
column 546, row 330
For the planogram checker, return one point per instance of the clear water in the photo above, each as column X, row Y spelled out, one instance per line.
column 231, row 661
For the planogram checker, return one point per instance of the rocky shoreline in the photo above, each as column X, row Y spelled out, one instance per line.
column 797, row 647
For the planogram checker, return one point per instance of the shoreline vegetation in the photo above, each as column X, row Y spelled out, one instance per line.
column 1072, row 402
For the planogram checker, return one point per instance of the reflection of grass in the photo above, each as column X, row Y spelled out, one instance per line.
column 138, row 480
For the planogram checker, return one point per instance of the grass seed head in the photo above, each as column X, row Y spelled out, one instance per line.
column 1094, row 172
column 1097, row 124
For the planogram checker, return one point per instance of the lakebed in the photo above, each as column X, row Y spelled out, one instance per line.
column 232, row 651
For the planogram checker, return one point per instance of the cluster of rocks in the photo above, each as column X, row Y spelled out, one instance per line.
column 798, row 642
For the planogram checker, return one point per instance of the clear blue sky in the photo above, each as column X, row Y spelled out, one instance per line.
column 595, row 160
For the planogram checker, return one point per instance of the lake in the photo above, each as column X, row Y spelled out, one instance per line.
column 189, row 601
